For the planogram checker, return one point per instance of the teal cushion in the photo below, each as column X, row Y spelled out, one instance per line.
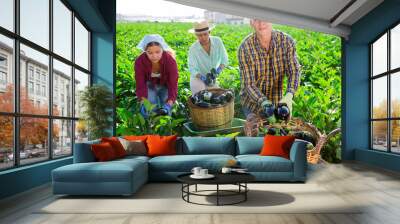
column 185, row 163
column 257, row 163
column 249, row 145
column 207, row 145
column 111, row 171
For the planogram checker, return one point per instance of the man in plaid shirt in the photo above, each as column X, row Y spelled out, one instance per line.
column 265, row 56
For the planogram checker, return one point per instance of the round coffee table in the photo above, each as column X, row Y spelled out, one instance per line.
column 238, row 179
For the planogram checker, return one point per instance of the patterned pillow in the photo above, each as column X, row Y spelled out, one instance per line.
column 134, row 147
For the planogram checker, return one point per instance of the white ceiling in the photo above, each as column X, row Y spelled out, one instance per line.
column 318, row 15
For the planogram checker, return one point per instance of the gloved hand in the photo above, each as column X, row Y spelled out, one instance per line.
column 219, row 70
column 168, row 108
column 202, row 77
column 210, row 79
column 288, row 100
column 143, row 111
column 267, row 108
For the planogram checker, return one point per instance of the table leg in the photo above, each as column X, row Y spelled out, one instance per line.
column 245, row 193
column 217, row 194
column 196, row 188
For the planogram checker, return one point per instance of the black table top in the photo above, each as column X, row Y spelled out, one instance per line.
column 220, row 178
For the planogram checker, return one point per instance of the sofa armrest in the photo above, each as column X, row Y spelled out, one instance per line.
column 83, row 152
column 298, row 155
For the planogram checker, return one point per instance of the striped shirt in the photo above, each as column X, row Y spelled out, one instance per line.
column 262, row 70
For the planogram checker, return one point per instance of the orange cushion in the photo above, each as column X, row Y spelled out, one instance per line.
column 161, row 145
column 116, row 145
column 277, row 146
column 136, row 137
column 103, row 151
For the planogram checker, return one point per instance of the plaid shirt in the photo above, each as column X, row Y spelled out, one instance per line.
column 262, row 71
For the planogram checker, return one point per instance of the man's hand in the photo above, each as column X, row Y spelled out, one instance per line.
column 267, row 108
column 288, row 100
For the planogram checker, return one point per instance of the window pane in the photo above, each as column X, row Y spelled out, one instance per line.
column 6, row 142
column 62, row 138
column 395, row 47
column 35, row 21
column 62, row 29
column 62, row 89
column 379, row 55
column 33, row 140
column 81, row 131
column 379, row 135
column 81, row 81
column 379, row 97
column 395, row 136
column 6, row 74
column 34, row 80
column 395, row 94
column 7, row 14
column 81, row 45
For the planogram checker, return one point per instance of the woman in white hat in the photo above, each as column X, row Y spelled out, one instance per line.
column 156, row 74
column 207, row 58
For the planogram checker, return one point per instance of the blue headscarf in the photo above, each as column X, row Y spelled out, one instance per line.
column 152, row 38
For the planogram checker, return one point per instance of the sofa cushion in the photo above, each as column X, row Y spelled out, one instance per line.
column 116, row 145
column 185, row 163
column 134, row 147
column 103, row 151
column 249, row 145
column 257, row 163
column 161, row 145
column 277, row 146
column 209, row 145
column 112, row 171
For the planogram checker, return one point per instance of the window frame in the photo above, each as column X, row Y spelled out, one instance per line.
column 16, row 114
column 388, row 74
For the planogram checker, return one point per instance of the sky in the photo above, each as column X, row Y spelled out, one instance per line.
column 159, row 8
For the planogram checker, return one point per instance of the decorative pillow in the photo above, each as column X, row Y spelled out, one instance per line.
column 161, row 145
column 117, row 146
column 136, row 137
column 277, row 146
column 136, row 147
column 103, row 151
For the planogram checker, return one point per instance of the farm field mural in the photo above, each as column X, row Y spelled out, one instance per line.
column 317, row 101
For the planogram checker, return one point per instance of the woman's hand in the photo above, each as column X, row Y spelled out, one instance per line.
column 170, row 102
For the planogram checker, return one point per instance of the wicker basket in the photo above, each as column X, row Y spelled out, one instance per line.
column 313, row 156
column 214, row 117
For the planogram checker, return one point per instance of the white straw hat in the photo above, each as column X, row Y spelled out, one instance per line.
column 200, row 27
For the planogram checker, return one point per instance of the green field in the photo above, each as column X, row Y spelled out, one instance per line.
column 318, row 99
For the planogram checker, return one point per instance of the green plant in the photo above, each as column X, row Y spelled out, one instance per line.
column 135, row 124
column 97, row 104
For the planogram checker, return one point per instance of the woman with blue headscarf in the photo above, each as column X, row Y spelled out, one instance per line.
column 156, row 74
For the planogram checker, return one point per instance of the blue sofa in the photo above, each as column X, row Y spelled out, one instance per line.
column 125, row 176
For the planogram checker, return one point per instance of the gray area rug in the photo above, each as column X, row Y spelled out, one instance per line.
column 166, row 198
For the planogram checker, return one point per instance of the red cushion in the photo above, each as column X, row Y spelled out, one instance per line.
column 161, row 145
column 277, row 146
column 103, row 151
column 116, row 145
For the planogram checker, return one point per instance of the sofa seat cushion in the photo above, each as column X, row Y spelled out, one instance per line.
column 185, row 163
column 112, row 171
column 257, row 163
